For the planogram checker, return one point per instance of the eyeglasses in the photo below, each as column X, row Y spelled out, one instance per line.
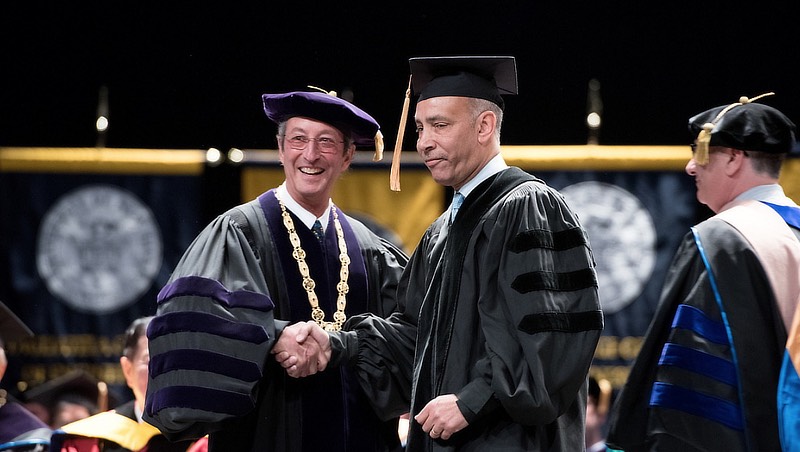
column 325, row 144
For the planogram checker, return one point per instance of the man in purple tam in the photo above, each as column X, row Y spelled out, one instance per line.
column 288, row 256
column 19, row 428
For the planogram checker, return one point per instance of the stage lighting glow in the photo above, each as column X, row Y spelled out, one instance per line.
column 235, row 155
column 101, row 124
column 593, row 120
column 213, row 156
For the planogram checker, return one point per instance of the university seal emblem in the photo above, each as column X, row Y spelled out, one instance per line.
column 622, row 236
column 99, row 248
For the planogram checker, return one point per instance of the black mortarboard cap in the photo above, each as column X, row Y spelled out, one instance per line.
column 78, row 383
column 744, row 125
column 11, row 327
column 482, row 77
column 328, row 108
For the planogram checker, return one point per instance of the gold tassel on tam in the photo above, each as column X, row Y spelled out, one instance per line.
column 704, row 137
column 378, row 156
column 394, row 175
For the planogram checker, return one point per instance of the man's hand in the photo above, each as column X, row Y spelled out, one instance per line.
column 303, row 349
column 441, row 417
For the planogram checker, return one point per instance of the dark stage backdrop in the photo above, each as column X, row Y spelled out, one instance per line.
column 87, row 239
column 636, row 203
column 88, row 236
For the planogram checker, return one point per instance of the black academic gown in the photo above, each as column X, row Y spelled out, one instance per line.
column 241, row 269
column 706, row 376
column 503, row 310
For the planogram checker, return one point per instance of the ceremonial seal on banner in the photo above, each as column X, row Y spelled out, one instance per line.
column 623, row 239
column 99, row 248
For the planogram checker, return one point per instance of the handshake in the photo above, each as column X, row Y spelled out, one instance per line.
column 303, row 349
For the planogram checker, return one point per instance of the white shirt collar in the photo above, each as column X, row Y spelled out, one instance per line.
column 304, row 215
column 772, row 193
column 494, row 166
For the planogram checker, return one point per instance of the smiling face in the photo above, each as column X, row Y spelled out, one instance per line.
column 451, row 140
column 312, row 168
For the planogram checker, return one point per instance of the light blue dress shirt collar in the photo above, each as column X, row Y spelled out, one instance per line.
column 495, row 165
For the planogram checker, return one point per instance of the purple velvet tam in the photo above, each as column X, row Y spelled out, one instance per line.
column 323, row 107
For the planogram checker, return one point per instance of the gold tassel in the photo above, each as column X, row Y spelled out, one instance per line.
column 704, row 137
column 378, row 156
column 102, row 396
column 604, row 401
column 394, row 176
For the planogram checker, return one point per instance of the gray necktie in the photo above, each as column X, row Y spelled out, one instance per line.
column 318, row 232
column 458, row 198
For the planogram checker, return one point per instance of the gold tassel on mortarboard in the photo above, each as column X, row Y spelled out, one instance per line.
column 394, row 176
column 704, row 137
column 604, row 401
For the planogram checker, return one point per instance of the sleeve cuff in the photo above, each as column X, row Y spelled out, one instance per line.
column 476, row 400
column 344, row 348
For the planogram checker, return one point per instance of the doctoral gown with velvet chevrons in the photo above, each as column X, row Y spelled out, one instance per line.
column 218, row 317
column 707, row 374
column 500, row 308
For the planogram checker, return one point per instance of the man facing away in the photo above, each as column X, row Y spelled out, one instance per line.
column 707, row 374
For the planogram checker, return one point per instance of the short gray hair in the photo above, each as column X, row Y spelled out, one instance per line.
column 478, row 106
column 766, row 162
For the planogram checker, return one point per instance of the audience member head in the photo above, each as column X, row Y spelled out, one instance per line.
column 135, row 359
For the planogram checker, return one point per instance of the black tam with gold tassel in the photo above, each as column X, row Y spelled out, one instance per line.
column 743, row 125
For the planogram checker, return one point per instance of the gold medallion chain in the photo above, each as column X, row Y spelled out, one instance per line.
column 299, row 255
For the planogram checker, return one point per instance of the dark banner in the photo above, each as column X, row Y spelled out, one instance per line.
column 81, row 256
column 635, row 221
